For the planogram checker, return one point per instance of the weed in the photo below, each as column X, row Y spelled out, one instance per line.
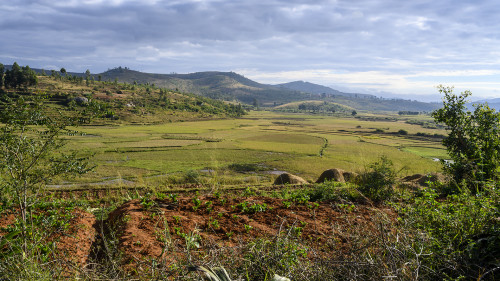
column 197, row 203
column 214, row 223
column 346, row 208
column 173, row 197
column 147, row 203
column 209, row 206
column 249, row 192
column 177, row 219
column 287, row 204
column 252, row 208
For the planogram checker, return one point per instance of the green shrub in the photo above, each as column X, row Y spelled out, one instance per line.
column 403, row 132
column 463, row 236
column 376, row 183
column 265, row 258
column 192, row 176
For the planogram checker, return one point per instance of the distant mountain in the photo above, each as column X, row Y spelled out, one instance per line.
column 308, row 87
column 312, row 88
column 493, row 103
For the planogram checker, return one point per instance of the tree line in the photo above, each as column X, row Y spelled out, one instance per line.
column 17, row 77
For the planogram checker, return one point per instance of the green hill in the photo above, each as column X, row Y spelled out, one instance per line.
column 227, row 86
column 231, row 86
column 315, row 107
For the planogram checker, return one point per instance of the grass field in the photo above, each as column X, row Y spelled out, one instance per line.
column 301, row 144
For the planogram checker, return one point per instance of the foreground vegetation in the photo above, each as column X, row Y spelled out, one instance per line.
column 175, row 217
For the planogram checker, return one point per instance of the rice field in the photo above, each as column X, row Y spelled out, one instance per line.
column 301, row 144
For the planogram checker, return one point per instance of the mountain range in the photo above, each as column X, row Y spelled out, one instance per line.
column 230, row 86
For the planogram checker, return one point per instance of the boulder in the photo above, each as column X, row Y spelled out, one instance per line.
column 287, row 178
column 81, row 100
column 419, row 181
column 338, row 175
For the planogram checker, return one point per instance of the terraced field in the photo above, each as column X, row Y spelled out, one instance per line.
column 301, row 144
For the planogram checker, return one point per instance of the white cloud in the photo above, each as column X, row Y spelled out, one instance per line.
column 402, row 46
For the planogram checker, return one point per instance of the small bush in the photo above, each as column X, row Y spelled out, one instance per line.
column 281, row 256
column 376, row 184
column 403, row 132
column 192, row 176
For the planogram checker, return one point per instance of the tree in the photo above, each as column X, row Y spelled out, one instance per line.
column 354, row 113
column 13, row 77
column 29, row 77
column 255, row 103
column 2, row 70
column 17, row 77
column 473, row 142
column 30, row 155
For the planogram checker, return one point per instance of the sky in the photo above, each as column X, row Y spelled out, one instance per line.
column 388, row 48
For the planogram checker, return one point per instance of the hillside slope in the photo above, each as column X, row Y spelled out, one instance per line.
column 220, row 85
column 231, row 86
column 126, row 103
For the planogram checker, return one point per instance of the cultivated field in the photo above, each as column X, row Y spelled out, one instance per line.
column 254, row 148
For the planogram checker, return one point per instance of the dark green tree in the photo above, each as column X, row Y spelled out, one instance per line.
column 473, row 141
column 13, row 77
column 63, row 72
column 29, row 77
column 20, row 77
column 2, row 71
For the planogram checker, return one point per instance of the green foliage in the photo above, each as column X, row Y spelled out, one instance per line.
column 252, row 208
column 281, row 255
column 473, row 142
column 17, row 77
column 376, row 183
column 462, row 234
column 2, row 71
column 30, row 155
column 192, row 176
column 27, row 250
column 403, row 132
column 327, row 191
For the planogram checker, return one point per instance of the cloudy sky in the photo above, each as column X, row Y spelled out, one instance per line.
column 396, row 46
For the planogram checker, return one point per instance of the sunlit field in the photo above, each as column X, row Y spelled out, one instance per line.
column 301, row 144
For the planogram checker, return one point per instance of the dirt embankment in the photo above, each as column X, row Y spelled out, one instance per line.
column 163, row 231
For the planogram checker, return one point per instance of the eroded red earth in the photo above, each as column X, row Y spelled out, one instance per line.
column 166, row 230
